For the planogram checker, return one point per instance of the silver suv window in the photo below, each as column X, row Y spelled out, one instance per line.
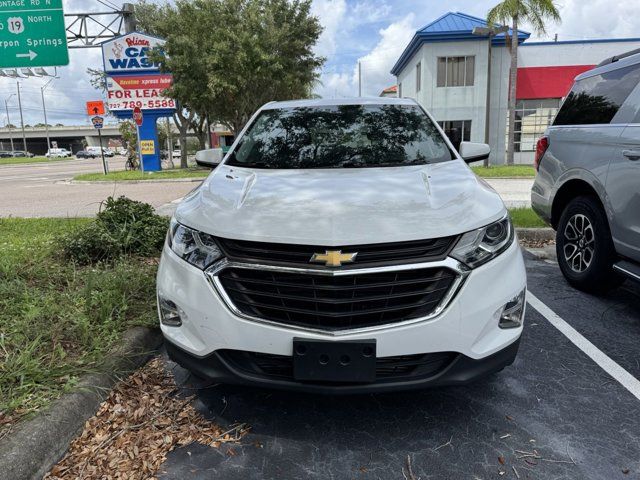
column 597, row 99
column 340, row 136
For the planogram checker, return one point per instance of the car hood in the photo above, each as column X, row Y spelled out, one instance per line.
column 332, row 207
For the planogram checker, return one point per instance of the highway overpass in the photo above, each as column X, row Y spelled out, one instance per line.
column 69, row 137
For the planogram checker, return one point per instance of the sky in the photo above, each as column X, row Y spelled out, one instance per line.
column 374, row 32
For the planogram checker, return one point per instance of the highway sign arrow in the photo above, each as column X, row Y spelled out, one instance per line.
column 31, row 55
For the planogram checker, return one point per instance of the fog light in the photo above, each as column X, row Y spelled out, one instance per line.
column 513, row 312
column 170, row 314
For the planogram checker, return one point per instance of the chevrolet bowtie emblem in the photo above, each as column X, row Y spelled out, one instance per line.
column 333, row 258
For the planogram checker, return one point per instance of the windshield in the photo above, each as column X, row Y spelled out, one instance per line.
column 340, row 136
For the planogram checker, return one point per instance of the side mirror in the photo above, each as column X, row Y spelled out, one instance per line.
column 474, row 152
column 209, row 158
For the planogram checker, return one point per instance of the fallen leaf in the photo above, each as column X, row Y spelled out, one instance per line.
column 135, row 428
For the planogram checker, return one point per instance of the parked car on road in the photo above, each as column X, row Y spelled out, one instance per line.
column 96, row 151
column 343, row 246
column 588, row 181
column 86, row 154
column 22, row 153
column 6, row 154
column 57, row 153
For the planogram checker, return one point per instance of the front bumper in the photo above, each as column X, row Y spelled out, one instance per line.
column 460, row 371
column 468, row 326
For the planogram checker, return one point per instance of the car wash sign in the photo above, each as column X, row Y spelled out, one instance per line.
column 130, row 53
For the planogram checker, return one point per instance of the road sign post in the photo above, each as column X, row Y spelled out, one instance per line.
column 138, row 118
column 98, row 123
column 32, row 34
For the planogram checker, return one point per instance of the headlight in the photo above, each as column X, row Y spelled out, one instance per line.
column 479, row 246
column 197, row 248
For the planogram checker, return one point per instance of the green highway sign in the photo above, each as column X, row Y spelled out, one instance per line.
column 32, row 34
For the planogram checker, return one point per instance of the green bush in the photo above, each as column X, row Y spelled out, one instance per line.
column 123, row 227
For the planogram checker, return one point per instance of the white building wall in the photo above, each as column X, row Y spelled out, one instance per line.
column 468, row 103
column 463, row 103
column 552, row 54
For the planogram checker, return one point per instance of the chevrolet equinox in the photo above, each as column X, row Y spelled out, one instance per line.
column 342, row 246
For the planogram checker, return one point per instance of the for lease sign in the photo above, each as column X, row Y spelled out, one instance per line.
column 125, row 92
column 130, row 53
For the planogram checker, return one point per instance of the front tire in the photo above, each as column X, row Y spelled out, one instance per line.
column 584, row 247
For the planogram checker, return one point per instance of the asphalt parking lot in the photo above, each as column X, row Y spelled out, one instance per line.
column 554, row 414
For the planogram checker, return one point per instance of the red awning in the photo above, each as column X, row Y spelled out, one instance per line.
column 547, row 82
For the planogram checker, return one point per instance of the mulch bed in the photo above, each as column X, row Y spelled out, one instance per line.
column 536, row 243
column 141, row 421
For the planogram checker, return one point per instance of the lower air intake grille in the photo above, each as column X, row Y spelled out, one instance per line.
column 281, row 366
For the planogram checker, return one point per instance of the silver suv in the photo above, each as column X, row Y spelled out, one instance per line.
column 588, row 181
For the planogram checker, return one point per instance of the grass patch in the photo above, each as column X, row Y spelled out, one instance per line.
column 18, row 160
column 57, row 319
column 505, row 171
column 524, row 217
column 192, row 172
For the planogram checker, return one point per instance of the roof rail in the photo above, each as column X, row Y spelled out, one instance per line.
column 615, row 58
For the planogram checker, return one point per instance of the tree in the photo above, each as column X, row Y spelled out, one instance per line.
column 534, row 12
column 129, row 135
column 229, row 57
column 183, row 120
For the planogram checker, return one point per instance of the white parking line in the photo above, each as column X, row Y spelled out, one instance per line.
column 623, row 377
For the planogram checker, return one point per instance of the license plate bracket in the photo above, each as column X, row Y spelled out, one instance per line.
column 351, row 361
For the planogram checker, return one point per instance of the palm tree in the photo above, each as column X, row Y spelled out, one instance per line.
column 535, row 13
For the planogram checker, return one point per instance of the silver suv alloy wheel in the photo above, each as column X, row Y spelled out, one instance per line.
column 579, row 243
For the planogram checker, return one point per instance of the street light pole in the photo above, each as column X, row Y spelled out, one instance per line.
column 44, row 109
column 490, row 33
column 6, row 107
column 24, row 137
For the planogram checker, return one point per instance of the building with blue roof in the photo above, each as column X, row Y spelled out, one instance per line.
column 445, row 67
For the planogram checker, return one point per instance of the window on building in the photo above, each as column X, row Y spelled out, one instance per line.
column 457, row 131
column 455, row 71
column 532, row 119
column 597, row 99
column 418, row 76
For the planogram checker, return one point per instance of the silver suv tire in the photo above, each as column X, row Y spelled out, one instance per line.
column 584, row 246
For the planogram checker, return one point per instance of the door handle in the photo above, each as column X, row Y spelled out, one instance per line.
column 631, row 154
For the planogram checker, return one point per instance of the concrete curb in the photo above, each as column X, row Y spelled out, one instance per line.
column 536, row 234
column 36, row 445
column 158, row 180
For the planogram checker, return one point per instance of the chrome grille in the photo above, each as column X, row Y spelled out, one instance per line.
column 336, row 302
column 371, row 254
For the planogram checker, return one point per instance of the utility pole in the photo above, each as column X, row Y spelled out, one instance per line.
column 169, row 142
column 128, row 14
column 24, row 137
column 491, row 33
column 359, row 78
column 6, row 107
column 44, row 109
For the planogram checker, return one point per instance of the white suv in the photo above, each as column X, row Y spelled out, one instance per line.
column 57, row 153
column 342, row 246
